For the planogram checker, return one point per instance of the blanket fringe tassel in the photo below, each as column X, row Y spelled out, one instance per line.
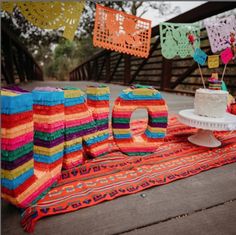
column 28, row 220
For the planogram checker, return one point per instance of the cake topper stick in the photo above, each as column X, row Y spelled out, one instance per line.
column 191, row 39
column 203, row 82
column 223, row 74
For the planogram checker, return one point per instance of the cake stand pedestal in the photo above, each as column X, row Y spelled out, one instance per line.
column 205, row 136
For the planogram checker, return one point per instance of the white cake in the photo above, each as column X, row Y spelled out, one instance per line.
column 210, row 103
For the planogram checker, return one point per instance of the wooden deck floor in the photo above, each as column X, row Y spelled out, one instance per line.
column 201, row 204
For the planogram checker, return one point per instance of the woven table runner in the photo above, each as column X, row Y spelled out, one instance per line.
column 116, row 174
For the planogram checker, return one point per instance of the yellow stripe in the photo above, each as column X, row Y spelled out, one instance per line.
column 97, row 91
column 156, row 129
column 121, row 131
column 73, row 93
column 48, row 118
column 73, row 142
column 144, row 91
column 12, row 174
column 8, row 93
column 17, row 131
column 98, row 133
column 48, row 151
column 153, row 108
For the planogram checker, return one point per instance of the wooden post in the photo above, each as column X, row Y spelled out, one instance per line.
column 127, row 72
column 166, row 73
column 8, row 59
column 108, row 67
column 94, row 70
column 88, row 67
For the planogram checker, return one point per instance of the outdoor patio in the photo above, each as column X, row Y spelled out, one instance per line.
column 200, row 204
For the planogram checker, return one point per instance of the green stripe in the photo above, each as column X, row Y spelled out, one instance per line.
column 138, row 153
column 13, row 155
column 80, row 128
column 48, row 136
column 160, row 119
column 121, row 120
column 102, row 121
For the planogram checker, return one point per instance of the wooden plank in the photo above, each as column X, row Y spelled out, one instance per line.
column 145, row 60
column 127, row 72
column 166, row 73
column 191, row 69
column 108, row 67
column 115, row 68
column 100, row 72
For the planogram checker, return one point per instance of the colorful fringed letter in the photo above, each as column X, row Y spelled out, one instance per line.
column 74, row 117
column 80, row 126
column 16, row 144
column 98, row 103
column 130, row 100
column 21, row 183
column 49, row 128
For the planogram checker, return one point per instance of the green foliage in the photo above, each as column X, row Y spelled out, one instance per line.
column 58, row 56
column 67, row 55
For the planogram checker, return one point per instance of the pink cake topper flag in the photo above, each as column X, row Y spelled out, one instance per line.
column 219, row 30
column 226, row 55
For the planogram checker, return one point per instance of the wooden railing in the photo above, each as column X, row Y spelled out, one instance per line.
column 16, row 62
column 178, row 75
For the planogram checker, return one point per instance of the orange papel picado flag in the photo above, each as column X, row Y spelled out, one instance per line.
column 118, row 31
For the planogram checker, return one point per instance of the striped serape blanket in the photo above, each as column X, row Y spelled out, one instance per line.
column 116, row 174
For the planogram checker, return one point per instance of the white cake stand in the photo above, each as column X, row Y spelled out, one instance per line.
column 205, row 136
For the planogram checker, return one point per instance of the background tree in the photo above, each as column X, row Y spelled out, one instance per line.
column 58, row 56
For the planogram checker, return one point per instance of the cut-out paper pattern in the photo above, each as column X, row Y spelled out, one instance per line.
column 200, row 56
column 121, row 32
column 226, row 55
column 175, row 40
column 219, row 30
column 51, row 15
column 213, row 61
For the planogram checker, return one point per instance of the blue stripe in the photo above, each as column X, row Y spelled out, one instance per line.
column 154, row 135
column 16, row 104
column 131, row 96
column 122, row 136
column 48, row 159
column 97, row 139
column 48, row 98
column 74, row 101
column 12, row 184
column 99, row 97
column 73, row 148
